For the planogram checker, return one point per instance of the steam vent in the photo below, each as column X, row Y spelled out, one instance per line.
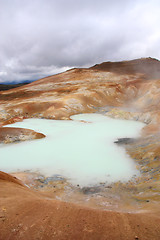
column 80, row 154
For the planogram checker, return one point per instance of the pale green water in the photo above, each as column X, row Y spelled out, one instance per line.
column 83, row 152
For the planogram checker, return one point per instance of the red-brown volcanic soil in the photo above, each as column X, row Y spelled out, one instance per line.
column 125, row 90
column 27, row 214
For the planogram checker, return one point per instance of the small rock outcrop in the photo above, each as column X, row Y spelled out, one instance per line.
column 10, row 135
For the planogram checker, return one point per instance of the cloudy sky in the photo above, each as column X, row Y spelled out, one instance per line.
column 43, row 37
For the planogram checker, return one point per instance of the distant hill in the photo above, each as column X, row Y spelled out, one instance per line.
column 148, row 66
column 4, row 87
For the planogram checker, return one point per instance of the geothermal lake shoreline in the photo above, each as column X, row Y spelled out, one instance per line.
column 82, row 150
column 120, row 195
column 102, row 194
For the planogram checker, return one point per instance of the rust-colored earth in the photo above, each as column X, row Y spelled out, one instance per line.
column 27, row 214
column 10, row 135
column 126, row 90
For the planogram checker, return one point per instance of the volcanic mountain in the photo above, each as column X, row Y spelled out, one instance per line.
column 125, row 90
column 129, row 83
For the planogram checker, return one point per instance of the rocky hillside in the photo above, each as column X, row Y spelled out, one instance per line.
column 133, row 84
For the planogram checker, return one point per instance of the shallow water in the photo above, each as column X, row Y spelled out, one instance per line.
column 82, row 150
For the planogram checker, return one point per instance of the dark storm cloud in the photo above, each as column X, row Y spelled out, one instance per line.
column 43, row 37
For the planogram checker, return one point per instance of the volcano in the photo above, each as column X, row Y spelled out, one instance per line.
column 127, row 90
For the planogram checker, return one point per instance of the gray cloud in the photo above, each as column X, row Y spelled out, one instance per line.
column 40, row 38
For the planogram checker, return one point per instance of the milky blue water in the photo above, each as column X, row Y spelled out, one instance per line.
column 82, row 150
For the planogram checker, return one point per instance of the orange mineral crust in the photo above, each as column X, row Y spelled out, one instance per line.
column 9, row 135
